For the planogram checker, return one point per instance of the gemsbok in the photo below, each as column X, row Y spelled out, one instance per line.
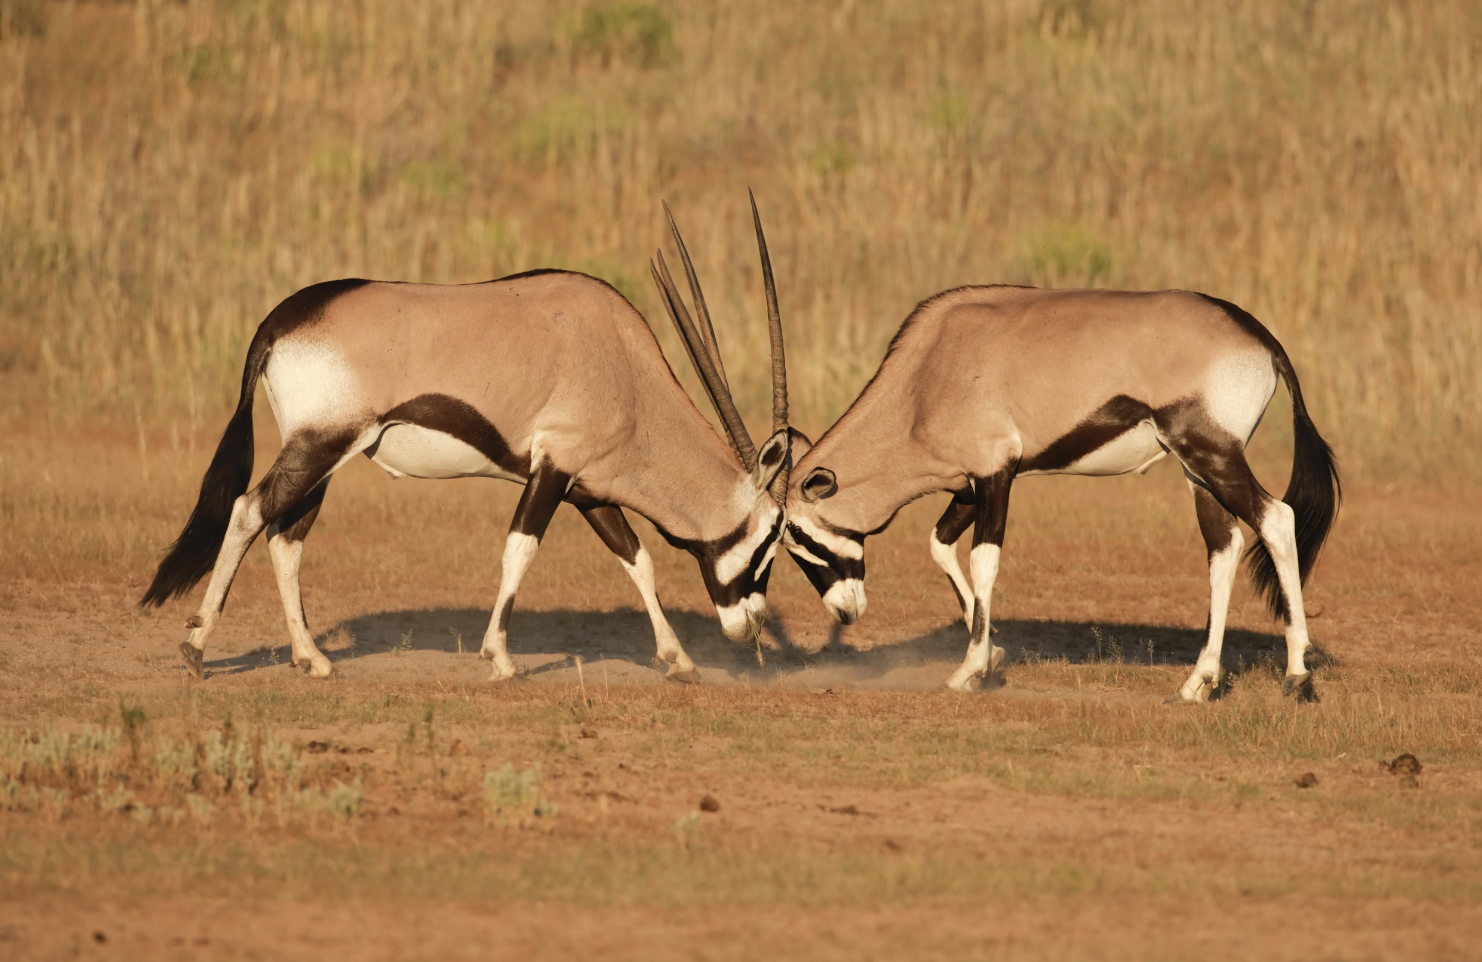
column 983, row 385
column 548, row 378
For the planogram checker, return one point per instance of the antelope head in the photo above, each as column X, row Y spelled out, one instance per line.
column 830, row 553
column 736, row 567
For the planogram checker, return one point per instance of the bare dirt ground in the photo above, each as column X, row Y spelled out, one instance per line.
column 854, row 809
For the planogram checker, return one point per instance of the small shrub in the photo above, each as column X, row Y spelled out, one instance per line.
column 345, row 800
column 634, row 33
column 1068, row 254
column 202, row 809
column 512, row 797
column 687, row 829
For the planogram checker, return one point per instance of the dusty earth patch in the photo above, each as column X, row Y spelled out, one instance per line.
column 861, row 812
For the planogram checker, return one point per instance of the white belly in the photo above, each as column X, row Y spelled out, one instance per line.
column 406, row 449
column 1134, row 450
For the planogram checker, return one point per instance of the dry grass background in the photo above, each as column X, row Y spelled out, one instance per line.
column 169, row 171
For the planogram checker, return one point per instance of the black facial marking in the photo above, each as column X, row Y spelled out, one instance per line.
column 708, row 554
column 439, row 412
column 833, row 570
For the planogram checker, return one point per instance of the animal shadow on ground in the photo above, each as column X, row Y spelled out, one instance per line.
column 554, row 639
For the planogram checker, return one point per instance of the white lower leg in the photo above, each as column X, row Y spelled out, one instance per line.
column 945, row 555
column 982, row 655
column 1223, row 565
column 245, row 525
column 519, row 552
column 668, row 647
column 1279, row 531
column 286, row 556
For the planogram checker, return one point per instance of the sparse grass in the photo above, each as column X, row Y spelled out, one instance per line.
column 169, row 172
column 115, row 818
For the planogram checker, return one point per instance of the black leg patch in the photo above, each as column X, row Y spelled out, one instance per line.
column 613, row 528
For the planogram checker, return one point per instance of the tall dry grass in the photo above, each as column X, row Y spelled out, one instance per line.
column 169, row 171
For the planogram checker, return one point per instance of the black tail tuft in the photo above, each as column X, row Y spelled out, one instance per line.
column 1313, row 495
column 193, row 554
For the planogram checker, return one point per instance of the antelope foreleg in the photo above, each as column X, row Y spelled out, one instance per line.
column 990, row 518
column 543, row 493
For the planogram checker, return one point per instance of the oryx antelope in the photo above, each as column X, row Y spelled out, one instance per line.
column 548, row 378
column 983, row 385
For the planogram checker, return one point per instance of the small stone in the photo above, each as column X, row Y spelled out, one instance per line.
column 99, row 937
column 317, row 748
column 1406, row 764
column 708, row 803
column 588, row 733
column 1306, row 780
column 1314, row 609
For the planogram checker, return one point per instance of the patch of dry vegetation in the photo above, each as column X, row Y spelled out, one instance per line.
column 544, row 792
column 169, row 171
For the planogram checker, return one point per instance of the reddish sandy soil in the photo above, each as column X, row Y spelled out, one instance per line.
column 842, row 831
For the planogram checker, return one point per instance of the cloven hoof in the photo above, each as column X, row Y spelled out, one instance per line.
column 194, row 658
column 1300, row 688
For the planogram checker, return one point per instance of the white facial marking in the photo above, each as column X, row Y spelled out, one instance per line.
column 736, row 620
column 797, row 551
column 845, row 600
column 731, row 564
column 838, row 544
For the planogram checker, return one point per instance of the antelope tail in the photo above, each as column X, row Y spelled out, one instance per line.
column 193, row 554
column 1313, row 494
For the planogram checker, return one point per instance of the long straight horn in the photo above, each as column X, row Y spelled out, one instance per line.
column 705, row 327
column 684, row 325
column 779, row 358
column 714, row 383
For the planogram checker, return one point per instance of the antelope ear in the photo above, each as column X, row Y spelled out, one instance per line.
column 819, row 484
column 800, row 444
column 771, row 459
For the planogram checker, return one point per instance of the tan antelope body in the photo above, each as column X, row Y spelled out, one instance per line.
column 550, row 379
column 983, row 385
